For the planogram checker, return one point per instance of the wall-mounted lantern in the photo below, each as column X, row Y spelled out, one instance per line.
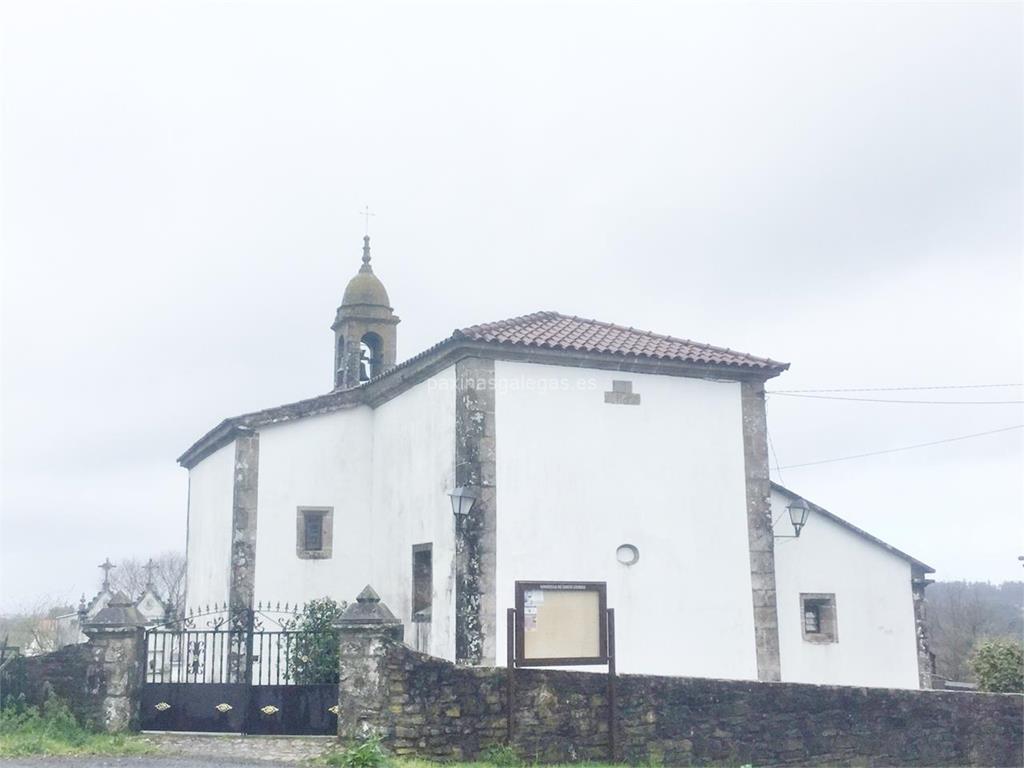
column 799, row 511
column 463, row 499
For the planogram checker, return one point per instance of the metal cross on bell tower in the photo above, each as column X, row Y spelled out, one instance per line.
column 150, row 567
column 365, row 213
column 107, row 566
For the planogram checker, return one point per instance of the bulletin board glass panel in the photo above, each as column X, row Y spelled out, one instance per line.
column 561, row 623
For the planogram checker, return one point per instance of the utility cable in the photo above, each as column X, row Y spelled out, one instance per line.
column 893, row 389
column 907, row 402
column 775, row 456
column 904, row 448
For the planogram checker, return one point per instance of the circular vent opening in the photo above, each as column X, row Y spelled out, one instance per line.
column 627, row 554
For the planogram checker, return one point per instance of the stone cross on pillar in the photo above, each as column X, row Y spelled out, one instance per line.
column 107, row 567
column 366, row 630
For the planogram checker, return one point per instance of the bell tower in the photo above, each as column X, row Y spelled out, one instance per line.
column 365, row 332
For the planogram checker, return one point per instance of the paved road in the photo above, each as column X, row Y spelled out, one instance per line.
column 154, row 761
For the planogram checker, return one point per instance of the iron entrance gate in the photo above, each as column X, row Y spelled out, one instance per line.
column 245, row 672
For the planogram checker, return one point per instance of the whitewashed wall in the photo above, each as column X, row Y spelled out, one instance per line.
column 874, row 606
column 578, row 477
column 386, row 473
column 210, row 491
column 317, row 461
column 413, row 470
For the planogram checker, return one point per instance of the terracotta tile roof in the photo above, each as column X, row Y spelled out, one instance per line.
column 551, row 330
column 540, row 330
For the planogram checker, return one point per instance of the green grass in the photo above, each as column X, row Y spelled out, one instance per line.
column 420, row 763
column 370, row 754
column 53, row 730
column 336, row 759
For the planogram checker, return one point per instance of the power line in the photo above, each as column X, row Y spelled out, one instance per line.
column 775, row 456
column 907, row 402
column 905, row 448
column 893, row 389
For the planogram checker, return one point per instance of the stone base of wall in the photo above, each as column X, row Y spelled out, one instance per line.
column 440, row 710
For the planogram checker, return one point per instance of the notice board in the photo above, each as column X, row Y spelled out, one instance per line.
column 561, row 623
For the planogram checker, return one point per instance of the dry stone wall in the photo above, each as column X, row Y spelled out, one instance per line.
column 101, row 680
column 437, row 709
column 75, row 673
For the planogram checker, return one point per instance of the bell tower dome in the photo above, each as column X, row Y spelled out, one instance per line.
column 365, row 332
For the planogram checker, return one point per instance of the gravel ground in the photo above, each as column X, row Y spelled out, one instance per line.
column 228, row 749
column 180, row 750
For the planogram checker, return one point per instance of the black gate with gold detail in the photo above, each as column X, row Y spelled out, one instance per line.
column 237, row 672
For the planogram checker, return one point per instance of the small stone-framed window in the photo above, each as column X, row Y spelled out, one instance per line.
column 818, row 617
column 422, row 581
column 314, row 532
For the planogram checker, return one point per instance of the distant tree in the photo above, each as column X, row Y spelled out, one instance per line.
column 961, row 614
column 131, row 577
column 998, row 665
column 34, row 630
column 313, row 655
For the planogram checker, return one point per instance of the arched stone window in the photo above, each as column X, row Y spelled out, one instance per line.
column 370, row 348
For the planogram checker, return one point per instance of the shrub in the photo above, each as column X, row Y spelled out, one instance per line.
column 313, row 655
column 502, row 756
column 30, row 728
column 999, row 665
column 365, row 754
column 53, row 730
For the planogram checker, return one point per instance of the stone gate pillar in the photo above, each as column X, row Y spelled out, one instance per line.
column 118, row 634
column 365, row 630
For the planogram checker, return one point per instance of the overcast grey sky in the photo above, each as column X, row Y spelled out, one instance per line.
column 834, row 185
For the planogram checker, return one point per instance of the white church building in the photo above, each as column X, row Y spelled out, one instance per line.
column 595, row 452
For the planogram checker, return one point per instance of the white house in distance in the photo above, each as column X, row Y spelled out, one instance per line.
column 596, row 453
column 68, row 626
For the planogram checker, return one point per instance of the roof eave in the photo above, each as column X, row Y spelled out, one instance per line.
column 618, row 361
column 213, row 440
column 854, row 529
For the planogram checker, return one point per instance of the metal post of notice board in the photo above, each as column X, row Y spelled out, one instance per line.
column 570, row 606
column 510, row 689
column 612, row 713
